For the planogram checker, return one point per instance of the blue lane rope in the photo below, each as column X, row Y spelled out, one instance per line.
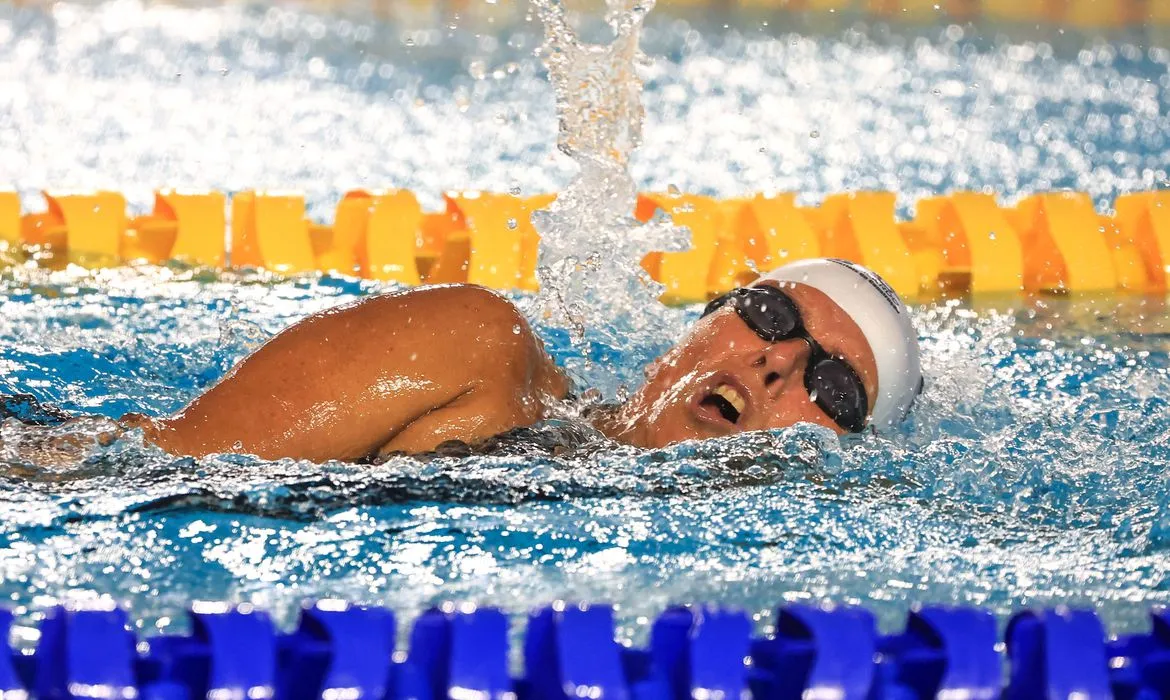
column 344, row 652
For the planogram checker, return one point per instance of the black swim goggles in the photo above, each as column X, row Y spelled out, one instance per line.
column 831, row 381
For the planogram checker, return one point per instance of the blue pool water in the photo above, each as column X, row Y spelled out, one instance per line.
column 1032, row 472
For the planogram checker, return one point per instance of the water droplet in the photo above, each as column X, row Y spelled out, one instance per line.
column 516, row 329
column 514, row 191
column 590, row 214
column 238, row 445
column 991, row 235
column 478, row 70
column 512, row 224
column 814, row 134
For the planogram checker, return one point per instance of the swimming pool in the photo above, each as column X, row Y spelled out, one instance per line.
column 1032, row 473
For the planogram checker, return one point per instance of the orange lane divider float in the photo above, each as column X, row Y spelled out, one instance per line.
column 731, row 265
column 979, row 249
column 963, row 242
column 9, row 218
column 684, row 273
column 861, row 227
column 1063, row 245
column 386, row 252
column 447, row 240
column 374, row 235
column 1144, row 218
column 97, row 221
column 1128, row 266
column 186, row 226
column 502, row 244
column 770, row 230
column 269, row 230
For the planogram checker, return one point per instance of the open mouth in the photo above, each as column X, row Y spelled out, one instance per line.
column 727, row 400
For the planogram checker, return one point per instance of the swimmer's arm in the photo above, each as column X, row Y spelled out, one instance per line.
column 343, row 383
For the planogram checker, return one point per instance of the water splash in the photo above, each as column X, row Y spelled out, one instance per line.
column 591, row 248
column 1033, row 473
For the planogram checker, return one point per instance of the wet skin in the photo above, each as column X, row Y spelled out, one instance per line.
column 769, row 377
column 399, row 372
column 405, row 372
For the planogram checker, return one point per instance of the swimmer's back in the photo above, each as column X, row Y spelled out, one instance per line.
column 398, row 372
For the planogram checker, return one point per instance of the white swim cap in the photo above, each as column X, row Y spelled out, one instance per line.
column 884, row 321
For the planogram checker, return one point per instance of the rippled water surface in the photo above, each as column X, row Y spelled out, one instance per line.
column 1033, row 471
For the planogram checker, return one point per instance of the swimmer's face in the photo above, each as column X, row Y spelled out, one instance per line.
column 763, row 380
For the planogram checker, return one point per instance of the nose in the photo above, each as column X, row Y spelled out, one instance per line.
column 781, row 361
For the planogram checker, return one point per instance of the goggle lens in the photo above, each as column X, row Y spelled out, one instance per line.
column 773, row 317
column 837, row 389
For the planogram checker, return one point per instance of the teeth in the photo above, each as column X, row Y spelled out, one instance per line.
column 733, row 397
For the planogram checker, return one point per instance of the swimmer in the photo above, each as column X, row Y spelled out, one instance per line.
column 818, row 341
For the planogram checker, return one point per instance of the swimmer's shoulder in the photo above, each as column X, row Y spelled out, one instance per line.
column 447, row 302
column 469, row 309
column 487, row 329
column 519, row 354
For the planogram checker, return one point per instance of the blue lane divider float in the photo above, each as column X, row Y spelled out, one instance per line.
column 701, row 653
column 68, row 665
column 339, row 650
column 10, row 681
column 345, row 652
column 1140, row 664
column 1057, row 653
column 818, row 652
column 461, row 654
column 945, row 652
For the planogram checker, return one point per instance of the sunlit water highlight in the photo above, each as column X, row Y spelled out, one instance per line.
column 590, row 245
column 1032, row 472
